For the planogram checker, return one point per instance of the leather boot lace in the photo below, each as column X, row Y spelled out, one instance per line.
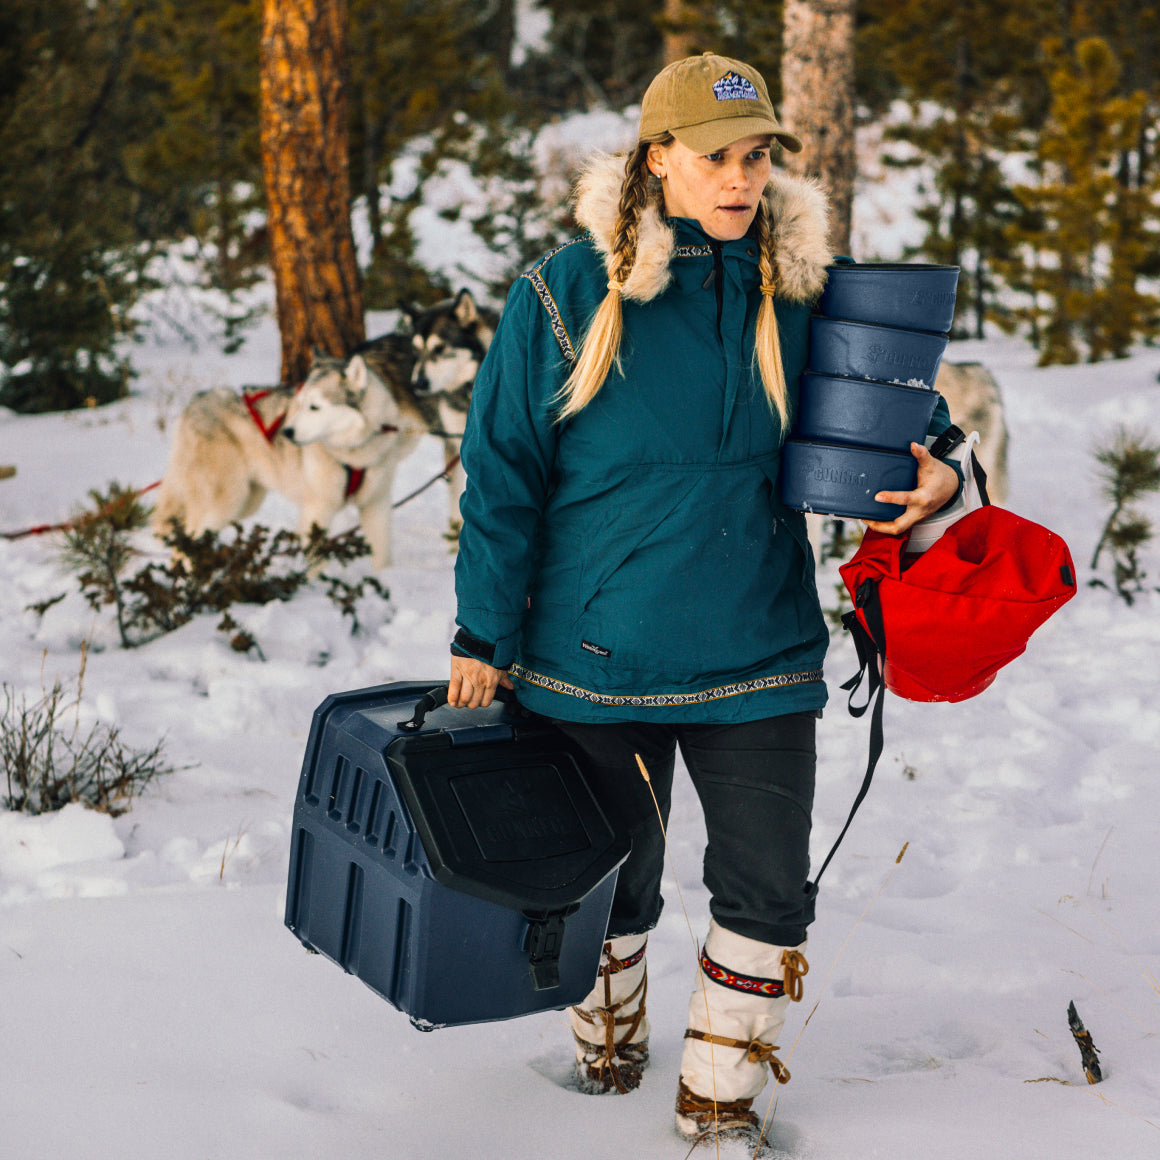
column 616, row 1065
column 795, row 968
column 755, row 1051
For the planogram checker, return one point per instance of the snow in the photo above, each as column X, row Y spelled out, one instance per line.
column 154, row 1003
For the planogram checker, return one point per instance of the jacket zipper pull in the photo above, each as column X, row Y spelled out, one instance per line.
column 709, row 281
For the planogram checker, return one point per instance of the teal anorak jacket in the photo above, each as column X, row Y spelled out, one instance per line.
column 635, row 562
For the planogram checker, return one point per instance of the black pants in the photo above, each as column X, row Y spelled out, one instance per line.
column 756, row 785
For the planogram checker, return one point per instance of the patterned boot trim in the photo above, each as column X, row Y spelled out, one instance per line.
column 794, row 968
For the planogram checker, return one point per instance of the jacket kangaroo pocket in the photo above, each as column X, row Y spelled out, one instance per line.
column 718, row 599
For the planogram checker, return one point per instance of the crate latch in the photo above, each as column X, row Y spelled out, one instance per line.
column 543, row 942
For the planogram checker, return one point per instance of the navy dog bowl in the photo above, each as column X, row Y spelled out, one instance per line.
column 910, row 295
column 862, row 412
column 859, row 350
column 834, row 480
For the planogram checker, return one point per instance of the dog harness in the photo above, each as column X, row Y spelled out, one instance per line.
column 354, row 475
column 354, row 479
column 251, row 399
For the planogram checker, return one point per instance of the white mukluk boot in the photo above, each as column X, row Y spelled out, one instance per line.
column 736, row 1013
column 610, row 1026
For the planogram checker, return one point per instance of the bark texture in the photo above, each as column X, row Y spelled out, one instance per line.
column 817, row 80
column 678, row 30
column 304, row 163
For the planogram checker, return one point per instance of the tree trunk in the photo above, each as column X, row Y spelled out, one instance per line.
column 817, row 80
column 678, row 30
column 304, row 162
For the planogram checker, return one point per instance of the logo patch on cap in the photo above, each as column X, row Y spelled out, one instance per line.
column 733, row 87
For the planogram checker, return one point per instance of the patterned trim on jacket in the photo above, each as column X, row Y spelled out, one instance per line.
column 545, row 296
column 665, row 700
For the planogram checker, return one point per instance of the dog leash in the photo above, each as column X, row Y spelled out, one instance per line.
column 451, row 465
column 68, row 525
column 354, row 482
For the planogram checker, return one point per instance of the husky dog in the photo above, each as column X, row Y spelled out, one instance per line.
column 334, row 441
column 339, row 439
column 975, row 404
column 447, row 343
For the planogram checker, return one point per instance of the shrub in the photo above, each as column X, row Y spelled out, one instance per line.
column 207, row 573
column 1129, row 470
column 50, row 760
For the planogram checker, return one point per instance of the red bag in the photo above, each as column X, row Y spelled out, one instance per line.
column 947, row 621
column 939, row 626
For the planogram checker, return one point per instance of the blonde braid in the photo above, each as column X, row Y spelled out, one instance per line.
column 601, row 345
column 766, row 341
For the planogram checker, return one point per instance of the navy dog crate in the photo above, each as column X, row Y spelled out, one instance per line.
column 455, row 861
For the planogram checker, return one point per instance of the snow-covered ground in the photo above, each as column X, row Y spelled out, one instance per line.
column 152, row 1004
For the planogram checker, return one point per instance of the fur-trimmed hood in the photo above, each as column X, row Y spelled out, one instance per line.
column 798, row 207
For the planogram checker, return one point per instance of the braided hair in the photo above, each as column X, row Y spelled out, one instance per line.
column 766, row 340
column 601, row 345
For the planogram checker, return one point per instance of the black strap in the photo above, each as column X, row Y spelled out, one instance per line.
column 946, row 443
column 871, row 646
column 980, row 480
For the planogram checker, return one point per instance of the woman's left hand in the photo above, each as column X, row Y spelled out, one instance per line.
column 937, row 483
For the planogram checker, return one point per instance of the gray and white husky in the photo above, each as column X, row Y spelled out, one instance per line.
column 336, row 440
column 447, row 344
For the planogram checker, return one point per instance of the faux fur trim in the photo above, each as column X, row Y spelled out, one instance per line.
column 799, row 209
column 597, row 200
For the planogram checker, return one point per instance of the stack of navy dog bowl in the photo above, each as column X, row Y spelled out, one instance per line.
column 868, row 393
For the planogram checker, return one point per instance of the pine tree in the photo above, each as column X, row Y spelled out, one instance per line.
column 305, row 164
column 818, row 97
column 969, row 69
column 1081, row 257
column 201, row 163
column 417, row 70
column 67, row 277
column 124, row 126
column 602, row 53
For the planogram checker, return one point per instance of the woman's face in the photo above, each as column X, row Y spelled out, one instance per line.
column 720, row 190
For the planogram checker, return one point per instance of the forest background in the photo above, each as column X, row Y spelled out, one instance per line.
column 130, row 134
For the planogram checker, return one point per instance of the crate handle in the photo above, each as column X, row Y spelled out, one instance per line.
column 436, row 697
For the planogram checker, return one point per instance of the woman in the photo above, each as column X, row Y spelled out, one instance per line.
column 626, row 563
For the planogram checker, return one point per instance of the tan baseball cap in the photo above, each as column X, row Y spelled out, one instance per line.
column 708, row 102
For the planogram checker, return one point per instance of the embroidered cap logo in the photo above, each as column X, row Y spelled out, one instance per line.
column 734, row 87
column 708, row 101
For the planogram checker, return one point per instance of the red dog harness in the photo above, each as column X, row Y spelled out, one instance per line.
column 251, row 399
column 354, row 475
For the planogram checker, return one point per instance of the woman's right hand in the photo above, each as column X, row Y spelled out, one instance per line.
column 473, row 683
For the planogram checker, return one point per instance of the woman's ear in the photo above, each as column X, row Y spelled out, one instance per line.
column 656, row 160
